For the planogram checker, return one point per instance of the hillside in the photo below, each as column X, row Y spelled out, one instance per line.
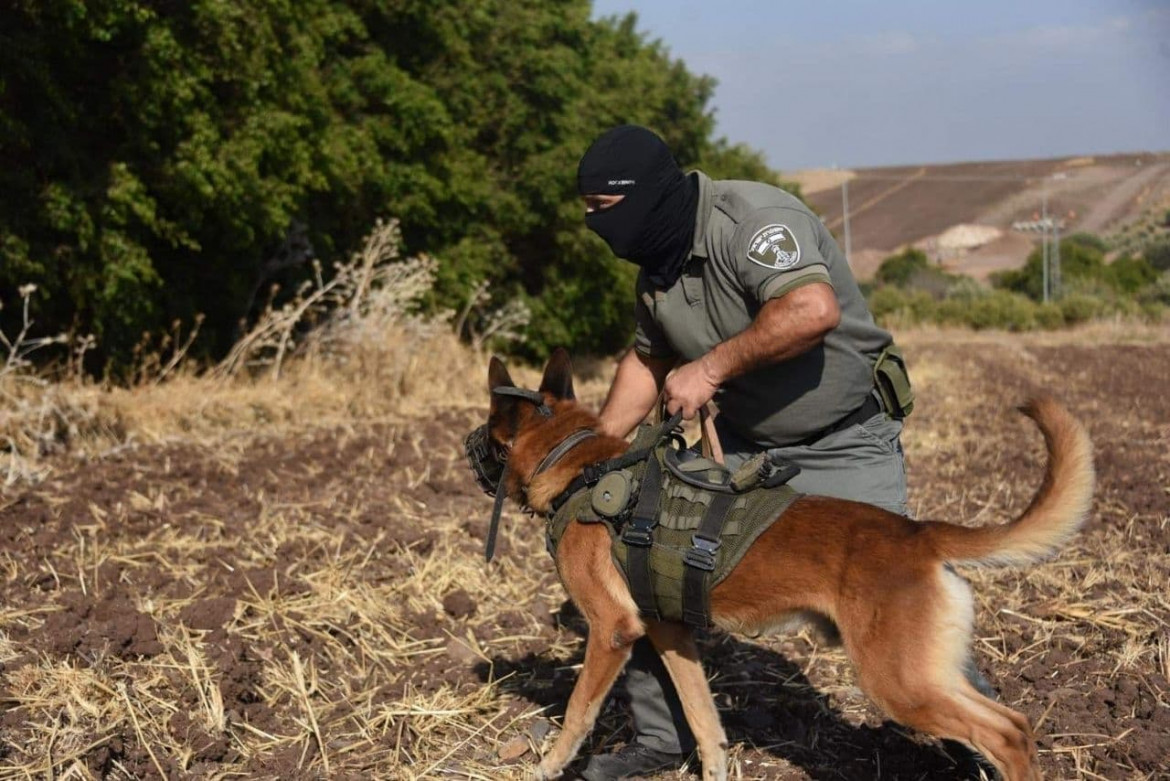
column 933, row 206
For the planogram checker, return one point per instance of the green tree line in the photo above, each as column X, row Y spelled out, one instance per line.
column 909, row 289
column 160, row 160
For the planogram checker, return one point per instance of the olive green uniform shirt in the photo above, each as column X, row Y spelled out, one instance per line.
column 754, row 242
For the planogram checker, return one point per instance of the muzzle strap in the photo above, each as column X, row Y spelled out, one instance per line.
column 527, row 395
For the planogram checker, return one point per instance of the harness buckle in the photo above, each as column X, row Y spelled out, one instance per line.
column 593, row 472
column 702, row 553
column 638, row 532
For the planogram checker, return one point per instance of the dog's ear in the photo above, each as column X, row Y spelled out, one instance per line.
column 558, row 375
column 498, row 376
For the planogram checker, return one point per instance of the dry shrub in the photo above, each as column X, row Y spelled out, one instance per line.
column 351, row 346
column 39, row 417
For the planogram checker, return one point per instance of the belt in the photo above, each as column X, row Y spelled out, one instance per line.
column 870, row 407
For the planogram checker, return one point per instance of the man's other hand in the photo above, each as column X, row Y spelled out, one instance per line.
column 689, row 388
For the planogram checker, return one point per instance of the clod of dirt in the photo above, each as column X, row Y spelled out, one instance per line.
column 209, row 613
column 112, row 626
column 514, row 749
column 459, row 604
column 459, row 651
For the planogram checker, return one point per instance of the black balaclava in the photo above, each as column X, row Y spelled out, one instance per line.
column 654, row 225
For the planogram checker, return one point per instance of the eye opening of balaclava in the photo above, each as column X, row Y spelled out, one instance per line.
column 654, row 224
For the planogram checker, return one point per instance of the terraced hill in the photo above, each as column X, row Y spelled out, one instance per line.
column 890, row 208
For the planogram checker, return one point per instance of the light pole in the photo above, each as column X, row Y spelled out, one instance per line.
column 1044, row 235
column 845, row 213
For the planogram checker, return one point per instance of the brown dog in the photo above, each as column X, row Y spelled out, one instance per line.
column 902, row 613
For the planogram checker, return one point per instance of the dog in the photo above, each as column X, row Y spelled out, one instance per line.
column 885, row 583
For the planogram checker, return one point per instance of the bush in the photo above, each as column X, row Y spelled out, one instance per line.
column 1129, row 275
column 1087, row 240
column 1049, row 316
column 999, row 309
column 1080, row 308
column 898, row 269
column 893, row 304
column 1157, row 254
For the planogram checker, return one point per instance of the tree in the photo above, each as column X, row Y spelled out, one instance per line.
column 1082, row 263
column 159, row 160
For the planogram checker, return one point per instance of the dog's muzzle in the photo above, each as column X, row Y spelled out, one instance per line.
column 486, row 459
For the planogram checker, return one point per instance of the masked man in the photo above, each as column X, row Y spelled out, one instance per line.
column 743, row 299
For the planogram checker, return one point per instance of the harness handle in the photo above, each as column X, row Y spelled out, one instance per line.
column 709, row 444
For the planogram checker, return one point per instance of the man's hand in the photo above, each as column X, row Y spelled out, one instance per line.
column 689, row 388
column 634, row 391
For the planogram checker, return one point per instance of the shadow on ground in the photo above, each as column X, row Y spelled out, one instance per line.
column 765, row 701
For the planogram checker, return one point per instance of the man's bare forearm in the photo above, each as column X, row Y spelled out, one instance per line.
column 636, row 386
column 784, row 328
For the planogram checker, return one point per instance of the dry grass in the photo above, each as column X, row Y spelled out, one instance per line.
column 267, row 577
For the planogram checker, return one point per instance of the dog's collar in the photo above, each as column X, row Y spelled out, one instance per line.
column 594, row 472
column 559, row 451
column 555, row 455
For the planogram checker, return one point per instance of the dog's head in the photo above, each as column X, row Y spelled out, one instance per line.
column 514, row 414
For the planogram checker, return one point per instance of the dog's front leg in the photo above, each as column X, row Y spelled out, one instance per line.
column 676, row 645
column 606, row 653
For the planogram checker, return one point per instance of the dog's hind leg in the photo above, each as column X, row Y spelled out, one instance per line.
column 912, row 662
column 974, row 721
column 607, row 650
column 676, row 645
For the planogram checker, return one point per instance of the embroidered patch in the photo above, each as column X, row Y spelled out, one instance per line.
column 774, row 246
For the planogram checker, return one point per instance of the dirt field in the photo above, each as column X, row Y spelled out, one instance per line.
column 300, row 601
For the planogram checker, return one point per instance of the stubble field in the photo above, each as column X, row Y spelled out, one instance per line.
column 286, row 579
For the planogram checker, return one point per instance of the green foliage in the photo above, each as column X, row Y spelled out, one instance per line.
column 1088, row 241
column 161, row 160
column 968, row 304
column 911, row 269
column 1129, row 275
column 898, row 269
column 1157, row 254
column 1082, row 268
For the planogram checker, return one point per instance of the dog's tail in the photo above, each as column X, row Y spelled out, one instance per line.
column 1057, row 511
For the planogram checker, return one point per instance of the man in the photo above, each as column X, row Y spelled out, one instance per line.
column 744, row 294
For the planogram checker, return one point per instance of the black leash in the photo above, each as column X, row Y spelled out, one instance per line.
column 497, row 509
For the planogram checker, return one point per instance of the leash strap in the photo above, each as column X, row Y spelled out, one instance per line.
column 497, row 509
column 700, row 561
column 637, row 535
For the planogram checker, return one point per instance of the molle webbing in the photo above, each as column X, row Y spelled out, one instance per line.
column 684, row 527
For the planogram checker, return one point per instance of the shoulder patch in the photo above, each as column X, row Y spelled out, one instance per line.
column 774, row 246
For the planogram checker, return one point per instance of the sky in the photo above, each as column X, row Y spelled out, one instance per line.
column 850, row 83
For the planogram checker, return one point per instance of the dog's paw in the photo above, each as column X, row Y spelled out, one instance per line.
column 544, row 773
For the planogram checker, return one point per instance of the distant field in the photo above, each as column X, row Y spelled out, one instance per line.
column 286, row 580
column 897, row 206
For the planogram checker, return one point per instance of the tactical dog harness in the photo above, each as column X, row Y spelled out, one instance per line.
column 678, row 523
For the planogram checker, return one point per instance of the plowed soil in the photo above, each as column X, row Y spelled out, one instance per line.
column 314, row 603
